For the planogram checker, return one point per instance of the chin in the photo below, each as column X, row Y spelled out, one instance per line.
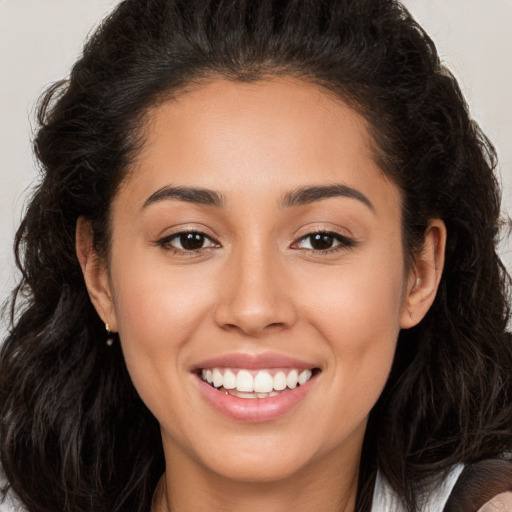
column 264, row 469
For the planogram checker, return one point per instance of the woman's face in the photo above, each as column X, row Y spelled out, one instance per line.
column 255, row 242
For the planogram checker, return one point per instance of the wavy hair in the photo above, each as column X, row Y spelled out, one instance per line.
column 74, row 435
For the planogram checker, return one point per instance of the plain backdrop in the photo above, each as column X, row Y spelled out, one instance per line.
column 40, row 39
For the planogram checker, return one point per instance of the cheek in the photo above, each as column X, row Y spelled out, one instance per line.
column 358, row 307
column 358, row 315
column 158, row 310
column 156, row 301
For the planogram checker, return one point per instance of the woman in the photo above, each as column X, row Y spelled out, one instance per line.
column 260, row 271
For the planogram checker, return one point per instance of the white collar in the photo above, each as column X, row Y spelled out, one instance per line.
column 385, row 499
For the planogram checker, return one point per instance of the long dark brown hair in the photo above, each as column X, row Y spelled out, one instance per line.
column 74, row 435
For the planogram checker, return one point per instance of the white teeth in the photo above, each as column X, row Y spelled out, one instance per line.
column 261, row 385
column 263, row 382
column 244, row 381
column 229, row 380
column 217, row 378
column 292, row 379
column 280, row 381
column 266, row 395
column 241, row 394
column 304, row 377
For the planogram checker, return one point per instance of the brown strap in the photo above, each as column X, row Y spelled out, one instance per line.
column 479, row 483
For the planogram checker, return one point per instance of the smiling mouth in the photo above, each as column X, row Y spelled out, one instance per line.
column 251, row 384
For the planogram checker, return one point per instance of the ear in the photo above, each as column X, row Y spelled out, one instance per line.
column 95, row 273
column 425, row 275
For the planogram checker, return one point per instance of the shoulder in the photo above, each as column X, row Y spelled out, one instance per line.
column 500, row 503
column 8, row 500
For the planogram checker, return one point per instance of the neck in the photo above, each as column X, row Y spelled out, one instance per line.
column 188, row 486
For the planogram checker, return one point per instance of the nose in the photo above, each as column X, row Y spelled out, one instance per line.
column 253, row 297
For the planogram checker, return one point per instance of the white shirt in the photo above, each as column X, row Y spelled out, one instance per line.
column 10, row 503
column 386, row 500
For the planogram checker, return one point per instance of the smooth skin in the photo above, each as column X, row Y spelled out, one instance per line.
column 257, row 281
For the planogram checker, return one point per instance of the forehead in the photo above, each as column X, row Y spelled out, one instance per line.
column 268, row 135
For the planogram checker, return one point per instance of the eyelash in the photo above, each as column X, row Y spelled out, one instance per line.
column 343, row 242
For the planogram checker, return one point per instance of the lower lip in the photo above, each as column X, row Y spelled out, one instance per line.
column 254, row 409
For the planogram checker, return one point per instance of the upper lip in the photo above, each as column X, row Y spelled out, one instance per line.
column 254, row 362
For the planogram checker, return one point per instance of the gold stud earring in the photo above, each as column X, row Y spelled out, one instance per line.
column 110, row 337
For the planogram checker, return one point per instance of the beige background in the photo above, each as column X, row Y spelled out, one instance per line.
column 40, row 39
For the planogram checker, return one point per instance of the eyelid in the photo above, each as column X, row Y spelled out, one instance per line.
column 193, row 227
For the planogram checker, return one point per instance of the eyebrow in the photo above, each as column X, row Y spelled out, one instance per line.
column 188, row 194
column 300, row 196
column 307, row 195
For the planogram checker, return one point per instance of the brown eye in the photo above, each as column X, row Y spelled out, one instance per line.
column 191, row 241
column 321, row 241
column 187, row 241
